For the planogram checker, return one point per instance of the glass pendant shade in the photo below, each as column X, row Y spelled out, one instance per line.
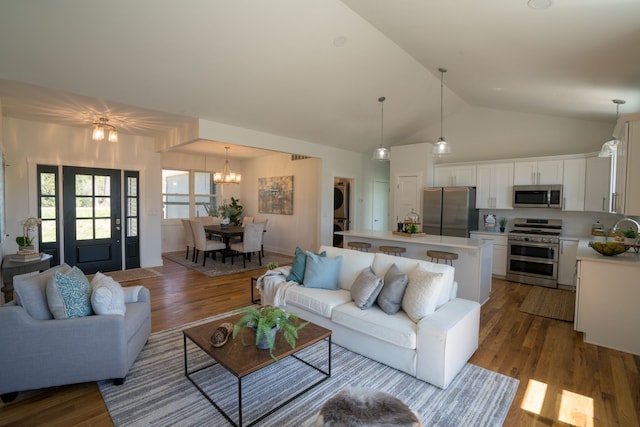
column 442, row 147
column 610, row 147
column 101, row 128
column 381, row 153
column 98, row 133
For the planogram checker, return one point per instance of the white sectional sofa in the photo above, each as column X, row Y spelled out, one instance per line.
column 433, row 349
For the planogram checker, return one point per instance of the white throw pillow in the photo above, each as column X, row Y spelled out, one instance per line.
column 421, row 296
column 107, row 296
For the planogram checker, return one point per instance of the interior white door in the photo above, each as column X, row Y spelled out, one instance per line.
column 407, row 196
column 380, row 214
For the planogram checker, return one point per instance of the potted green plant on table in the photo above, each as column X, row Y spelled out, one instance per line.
column 503, row 224
column 267, row 321
column 630, row 236
column 231, row 213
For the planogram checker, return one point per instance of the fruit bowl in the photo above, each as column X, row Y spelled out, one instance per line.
column 608, row 248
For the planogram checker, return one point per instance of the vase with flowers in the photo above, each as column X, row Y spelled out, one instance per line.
column 25, row 242
column 231, row 213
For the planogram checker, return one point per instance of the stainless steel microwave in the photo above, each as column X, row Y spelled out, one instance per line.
column 537, row 196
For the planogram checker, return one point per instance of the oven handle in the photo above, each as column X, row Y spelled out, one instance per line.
column 536, row 244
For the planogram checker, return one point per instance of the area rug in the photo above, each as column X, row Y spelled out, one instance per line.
column 217, row 268
column 157, row 393
column 554, row 303
column 132, row 274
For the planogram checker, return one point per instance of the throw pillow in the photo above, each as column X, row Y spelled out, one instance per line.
column 299, row 265
column 321, row 272
column 31, row 291
column 365, row 288
column 107, row 296
column 69, row 295
column 422, row 293
column 395, row 283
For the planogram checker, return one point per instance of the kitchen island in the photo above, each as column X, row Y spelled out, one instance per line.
column 607, row 299
column 472, row 268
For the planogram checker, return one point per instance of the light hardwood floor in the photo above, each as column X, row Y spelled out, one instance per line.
column 563, row 381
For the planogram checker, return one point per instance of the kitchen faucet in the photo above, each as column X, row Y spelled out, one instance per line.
column 615, row 227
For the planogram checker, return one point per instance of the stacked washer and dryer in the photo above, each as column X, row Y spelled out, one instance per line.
column 340, row 210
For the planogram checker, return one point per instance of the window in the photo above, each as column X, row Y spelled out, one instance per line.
column 48, row 205
column 187, row 193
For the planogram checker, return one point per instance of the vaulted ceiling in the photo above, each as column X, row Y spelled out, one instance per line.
column 313, row 70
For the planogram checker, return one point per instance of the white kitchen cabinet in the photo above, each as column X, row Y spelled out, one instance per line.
column 573, row 184
column 538, row 172
column 567, row 262
column 494, row 186
column 454, row 176
column 607, row 298
column 597, row 184
column 499, row 266
column 626, row 197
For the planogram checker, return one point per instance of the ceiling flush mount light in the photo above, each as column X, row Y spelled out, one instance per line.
column 101, row 128
column 610, row 147
column 442, row 147
column 381, row 153
column 226, row 176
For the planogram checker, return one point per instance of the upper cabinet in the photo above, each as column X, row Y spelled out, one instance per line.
column 454, row 176
column 626, row 197
column 573, row 184
column 494, row 189
column 597, row 184
column 538, row 172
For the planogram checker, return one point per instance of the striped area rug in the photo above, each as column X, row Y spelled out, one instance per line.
column 157, row 393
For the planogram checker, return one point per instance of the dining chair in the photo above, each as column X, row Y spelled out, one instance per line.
column 251, row 242
column 188, row 237
column 205, row 245
column 209, row 220
column 263, row 220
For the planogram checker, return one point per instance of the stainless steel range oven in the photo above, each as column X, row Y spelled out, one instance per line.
column 533, row 247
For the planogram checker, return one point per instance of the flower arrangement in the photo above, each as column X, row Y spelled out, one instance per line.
column 232, row 210
column 28, row 226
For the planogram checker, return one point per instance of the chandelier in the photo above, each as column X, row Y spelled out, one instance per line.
column 226, row 176
column 442, row 147
column 381, row 153
column 101, row 128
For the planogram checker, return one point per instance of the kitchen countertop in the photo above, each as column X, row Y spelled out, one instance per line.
column 452, row 242
column 588, row 254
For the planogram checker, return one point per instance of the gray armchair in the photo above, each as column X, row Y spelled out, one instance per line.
column 37, row 351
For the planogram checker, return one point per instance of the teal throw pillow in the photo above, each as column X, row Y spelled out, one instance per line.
column 299, row 265
column 321, row 271
column 69, row 295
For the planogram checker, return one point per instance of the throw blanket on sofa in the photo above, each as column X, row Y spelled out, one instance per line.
column 273, row 285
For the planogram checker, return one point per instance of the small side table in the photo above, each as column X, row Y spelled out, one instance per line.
column 12, row 268
column 254, row 282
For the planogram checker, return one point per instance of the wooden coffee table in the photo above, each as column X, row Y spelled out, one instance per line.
column 241, row 360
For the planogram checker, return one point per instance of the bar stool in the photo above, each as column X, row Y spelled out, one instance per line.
column 360, row 246
column 393, row 250
column 447, row 257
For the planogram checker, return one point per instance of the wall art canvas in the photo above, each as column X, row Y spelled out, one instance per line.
column 275, row 195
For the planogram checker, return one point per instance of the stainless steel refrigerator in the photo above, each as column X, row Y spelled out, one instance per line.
column 449, row 211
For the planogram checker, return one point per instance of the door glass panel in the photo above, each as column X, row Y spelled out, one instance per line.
column 132, row 227
column 84, row 185
column 84, row 207
column 132, row 206
column 47, row 207
column 132, row 187
column 102, row 186
column 84, row 229
column 103, row 228
column 48, row 230
column 103, row 207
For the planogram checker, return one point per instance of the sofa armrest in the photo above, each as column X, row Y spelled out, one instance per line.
column 446, row 340
column 144, row 295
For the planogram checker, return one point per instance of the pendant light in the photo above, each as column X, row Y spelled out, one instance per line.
column 442, row 147
column 100, row 129
column 226, row 176
column 381, row 153
column 610, row 147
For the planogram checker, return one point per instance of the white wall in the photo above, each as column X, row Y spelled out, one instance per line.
column 477, row 134
column 29, row 143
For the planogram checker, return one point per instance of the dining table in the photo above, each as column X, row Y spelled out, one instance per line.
column 226, row 232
